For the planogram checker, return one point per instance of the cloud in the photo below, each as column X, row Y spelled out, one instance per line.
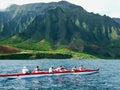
column 115, row 14
column 4, row 4
column 103, row 7
column 20, row 2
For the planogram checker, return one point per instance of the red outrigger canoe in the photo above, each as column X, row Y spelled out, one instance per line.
column 46, row 73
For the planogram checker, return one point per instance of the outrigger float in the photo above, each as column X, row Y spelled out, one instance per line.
column 47, row 73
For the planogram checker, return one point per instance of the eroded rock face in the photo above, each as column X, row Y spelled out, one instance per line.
column 8, row 49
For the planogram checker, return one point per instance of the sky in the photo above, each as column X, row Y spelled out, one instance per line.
column 104, row 7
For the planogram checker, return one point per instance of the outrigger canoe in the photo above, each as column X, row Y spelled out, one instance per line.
column 47, row 73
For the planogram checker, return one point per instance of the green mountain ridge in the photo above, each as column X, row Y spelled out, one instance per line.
column 117, row 20
column 51, row 26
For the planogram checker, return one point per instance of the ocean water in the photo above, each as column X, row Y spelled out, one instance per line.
column 107, row 79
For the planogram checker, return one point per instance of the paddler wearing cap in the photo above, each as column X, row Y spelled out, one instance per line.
column 25, row 70
column 51, row 70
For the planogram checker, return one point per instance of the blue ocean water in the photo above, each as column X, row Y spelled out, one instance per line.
column 107, row 79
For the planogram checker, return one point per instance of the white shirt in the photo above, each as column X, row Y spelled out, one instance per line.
column 25, row 70
column 50, row 69
column 80, row 68
column 36, row 70
column 60, row 69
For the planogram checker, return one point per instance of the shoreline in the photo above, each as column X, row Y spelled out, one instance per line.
column 35, row 56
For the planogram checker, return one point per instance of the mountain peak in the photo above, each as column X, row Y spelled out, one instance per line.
column 117, row 20
column 64, row 2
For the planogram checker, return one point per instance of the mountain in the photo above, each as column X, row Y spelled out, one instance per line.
column 22, row 16
column 55, row 25
column 117, row 20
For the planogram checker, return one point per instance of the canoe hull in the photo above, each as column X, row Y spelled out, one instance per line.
column 46, row 73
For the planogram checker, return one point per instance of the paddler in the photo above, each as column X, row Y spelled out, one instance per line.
column 60, row 69
column 81, row 67
column 74, row 68
column 37, row 69
column 25, row 70
column 51, row 70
